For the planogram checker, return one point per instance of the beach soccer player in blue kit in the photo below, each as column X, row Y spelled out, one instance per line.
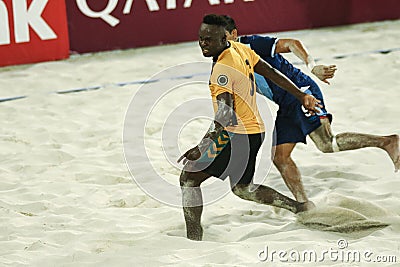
column 293, row 122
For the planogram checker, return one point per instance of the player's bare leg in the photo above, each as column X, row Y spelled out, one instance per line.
column 289, row 171
column 325, row 141
column 265, row 195
column 192, row 202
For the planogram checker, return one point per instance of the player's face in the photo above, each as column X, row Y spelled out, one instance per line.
column 212, row 40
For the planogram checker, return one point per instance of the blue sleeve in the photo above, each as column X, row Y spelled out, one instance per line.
column 263, row 87
column 264, row 46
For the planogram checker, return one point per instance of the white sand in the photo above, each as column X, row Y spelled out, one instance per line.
column 67, row 198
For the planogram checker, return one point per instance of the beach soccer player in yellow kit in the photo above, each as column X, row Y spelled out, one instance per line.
column 237, row 131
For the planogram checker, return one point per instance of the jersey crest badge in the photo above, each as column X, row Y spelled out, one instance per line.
column 222, row 80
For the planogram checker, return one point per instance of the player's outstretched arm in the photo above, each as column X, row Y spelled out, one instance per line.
column 323, row 72
column 223, row 117
column 308, row 101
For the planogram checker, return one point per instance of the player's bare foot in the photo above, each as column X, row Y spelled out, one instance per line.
column 305, row 206
column 393, row 149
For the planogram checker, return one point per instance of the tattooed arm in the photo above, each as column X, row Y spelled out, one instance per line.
column 223, row 118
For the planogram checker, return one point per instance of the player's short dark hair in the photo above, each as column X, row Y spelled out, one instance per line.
column 230, row 23
column 213, row 19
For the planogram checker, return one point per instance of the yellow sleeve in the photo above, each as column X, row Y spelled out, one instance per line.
column 222, row 79
column 249, row 53
column 254, row 57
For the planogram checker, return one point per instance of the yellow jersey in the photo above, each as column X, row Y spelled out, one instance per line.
column 233, row 72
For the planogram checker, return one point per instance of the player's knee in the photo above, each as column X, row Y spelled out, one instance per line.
column 324, row 147
column 328, row 146
column 280, row 160
column 186, row 180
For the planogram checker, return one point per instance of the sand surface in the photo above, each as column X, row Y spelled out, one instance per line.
column 67, row 197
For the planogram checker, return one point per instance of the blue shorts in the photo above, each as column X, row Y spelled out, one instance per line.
column 293, row 123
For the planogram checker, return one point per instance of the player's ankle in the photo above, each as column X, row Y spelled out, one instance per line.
column 305, row 206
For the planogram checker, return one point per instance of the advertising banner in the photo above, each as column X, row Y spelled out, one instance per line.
column 37, row 30
column 96, row 25
column 32, row 31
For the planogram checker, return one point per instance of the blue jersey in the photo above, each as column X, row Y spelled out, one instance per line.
column 263, row 87
column 264, row 46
